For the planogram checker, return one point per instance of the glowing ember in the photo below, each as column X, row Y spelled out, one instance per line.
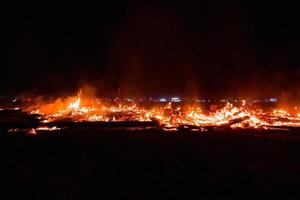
column 44, row 128
column 169, row 116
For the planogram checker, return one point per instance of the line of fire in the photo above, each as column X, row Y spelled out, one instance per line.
column 33, row 115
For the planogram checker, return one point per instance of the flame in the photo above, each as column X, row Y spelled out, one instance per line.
column 75, row 105
column 170, row 116
column 45, row 128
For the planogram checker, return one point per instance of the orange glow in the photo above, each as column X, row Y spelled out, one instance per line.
column 169, row 116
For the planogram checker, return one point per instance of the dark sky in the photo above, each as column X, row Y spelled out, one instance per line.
column 152, row 48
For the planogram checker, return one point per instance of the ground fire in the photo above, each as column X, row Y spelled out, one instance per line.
column 169, row 116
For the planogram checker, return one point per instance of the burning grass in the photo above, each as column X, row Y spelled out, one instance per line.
column 169, row 116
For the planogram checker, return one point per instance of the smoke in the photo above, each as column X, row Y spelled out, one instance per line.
column 198, row 50
column 152, row 53
column 193, row 49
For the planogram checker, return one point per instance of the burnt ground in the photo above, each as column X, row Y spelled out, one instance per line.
column 150, row 164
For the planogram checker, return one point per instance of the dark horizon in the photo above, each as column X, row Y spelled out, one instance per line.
column 186, row 48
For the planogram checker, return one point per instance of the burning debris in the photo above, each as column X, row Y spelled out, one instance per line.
column 79, row 111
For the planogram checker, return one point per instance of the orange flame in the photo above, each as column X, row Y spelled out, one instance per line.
column 85, row 109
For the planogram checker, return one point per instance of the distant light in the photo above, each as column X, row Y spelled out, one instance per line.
column 129, row 100
column 163, row 100
column 273, row 99
column 175, row 99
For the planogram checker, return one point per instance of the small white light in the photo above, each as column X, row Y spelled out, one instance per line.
column 175, row 99
column 163, row 100
column 273, row 99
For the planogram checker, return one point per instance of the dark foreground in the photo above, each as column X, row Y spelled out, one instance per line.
column 149, row 164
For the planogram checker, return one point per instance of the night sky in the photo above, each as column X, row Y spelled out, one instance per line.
column 188, row 48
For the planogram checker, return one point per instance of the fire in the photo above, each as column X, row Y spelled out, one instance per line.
column 45, row 128
column 169, row 116
column 75, row 105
